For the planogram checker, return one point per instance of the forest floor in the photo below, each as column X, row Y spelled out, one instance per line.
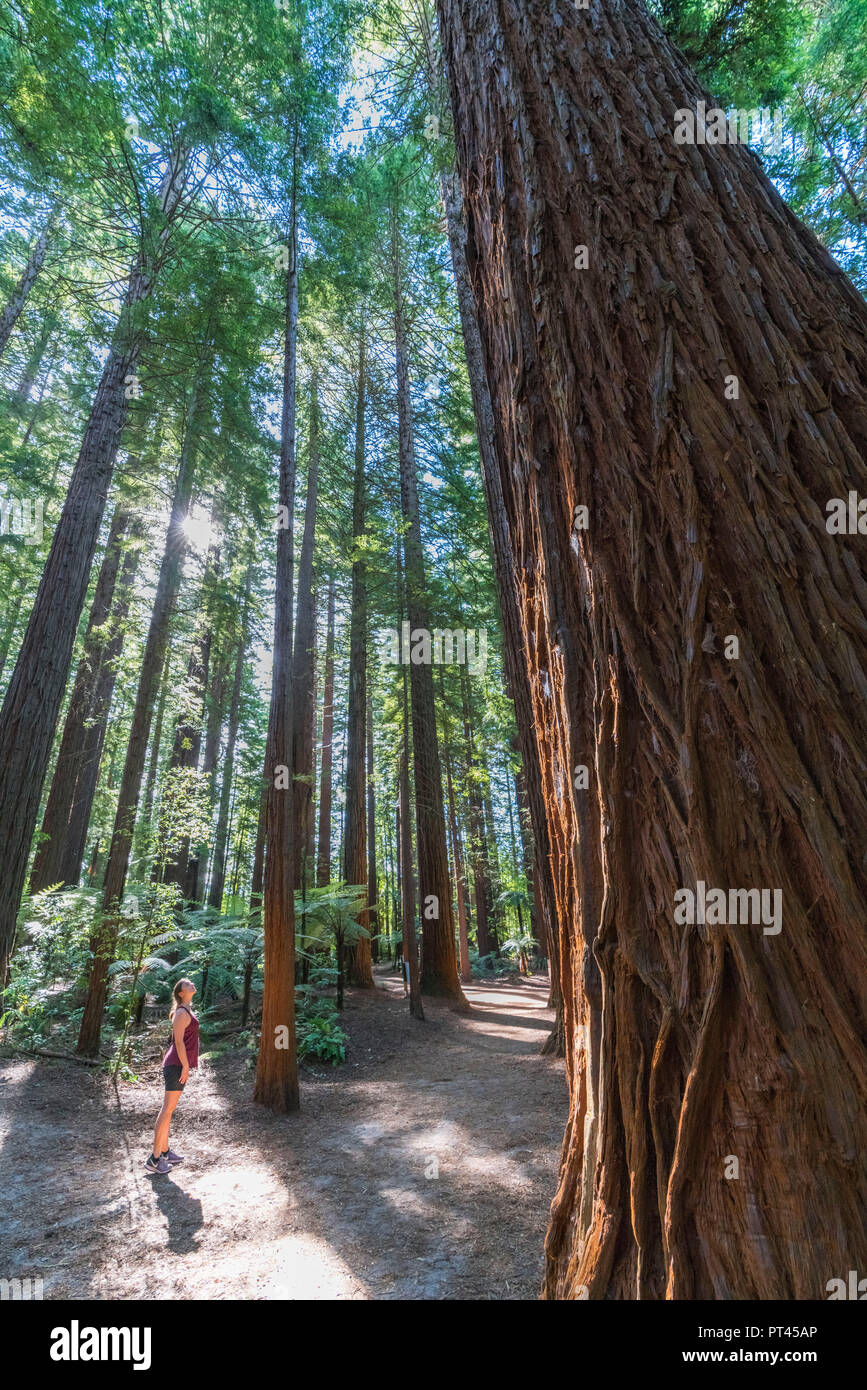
column 337, row 1202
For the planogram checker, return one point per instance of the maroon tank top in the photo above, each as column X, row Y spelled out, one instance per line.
column 191, row 1043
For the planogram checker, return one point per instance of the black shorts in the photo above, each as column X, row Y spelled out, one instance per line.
column 173, row 1078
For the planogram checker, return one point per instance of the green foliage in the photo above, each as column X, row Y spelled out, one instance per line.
column 322, row 1037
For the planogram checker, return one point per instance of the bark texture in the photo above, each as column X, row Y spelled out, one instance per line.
column 685, row 1044
column 277, row 1064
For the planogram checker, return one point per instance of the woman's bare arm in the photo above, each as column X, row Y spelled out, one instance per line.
column 179, row 1027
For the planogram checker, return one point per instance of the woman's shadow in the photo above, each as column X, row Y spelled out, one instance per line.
column 183, row 1214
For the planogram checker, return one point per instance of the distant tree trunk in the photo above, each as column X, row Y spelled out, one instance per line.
column 248, row 986
column 492, row 859
column 104, row 937
column 517, row 656
column 221, row 834
column 439, row 962
column 525, row 834
column 457, row 849
column 398, row 861
column 699, row 388
column 478, row 850
column 145, row 816
column 35, row 693
column 359, row 967
column 277, row 1066
column 372, row 890
column 186, row 750
column 257, row 878
column 95, row 730
column 34, row 360
column 216, row 709
column 407, row 876
column 55, row 821
column 18, row 298
column 323, row 869
column 304, row 677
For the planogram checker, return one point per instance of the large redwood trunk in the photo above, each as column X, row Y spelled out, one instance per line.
column 277, row 1064
column 359, row 967
column 439, row 973
column 323, row 857
column 686, row 1045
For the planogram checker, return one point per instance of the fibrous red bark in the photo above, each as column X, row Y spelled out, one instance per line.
column 613, row 389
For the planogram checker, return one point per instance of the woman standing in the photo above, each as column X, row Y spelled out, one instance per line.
column 177, row 1063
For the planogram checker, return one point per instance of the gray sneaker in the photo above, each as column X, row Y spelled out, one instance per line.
column 160, row 1165
column 173, row 1158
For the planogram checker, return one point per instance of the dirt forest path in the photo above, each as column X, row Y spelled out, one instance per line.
column 338, row 1202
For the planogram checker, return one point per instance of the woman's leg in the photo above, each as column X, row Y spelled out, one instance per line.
column 164, row 1122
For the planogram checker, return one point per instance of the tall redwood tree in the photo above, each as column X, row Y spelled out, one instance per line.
column 667, row 347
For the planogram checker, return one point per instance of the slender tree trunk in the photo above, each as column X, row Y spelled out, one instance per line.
column 221, row 834
column 277, row 1067
column 478, row 841
column 18, row 299
column 248, row 985
column 104, row 938
column 699, row 388
column 185, row 754
column 457, row 850
column 525, row 833
column 304, row 678
column 216, row 708
column 517, row 655
column 55, row 821
column 492, row 859
column 398, row 863
column 372, row 890
column 35, row 692
column 34, row 361
column 145, row 817
column 359, row 962
column 257, row 878
column 407, row 875
column 323, row 869
column 439, row 963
